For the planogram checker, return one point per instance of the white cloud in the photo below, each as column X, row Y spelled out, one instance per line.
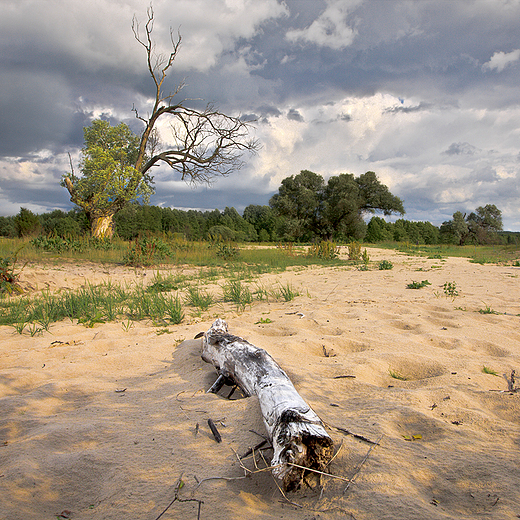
column 501, row 60
column 330, row 29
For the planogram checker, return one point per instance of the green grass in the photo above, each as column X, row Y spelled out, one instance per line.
column 418, row 285
column 495, row 254
column 489, row 371
column 396, row 375
column 487, row 310
column 199, row 298
column 238, row 293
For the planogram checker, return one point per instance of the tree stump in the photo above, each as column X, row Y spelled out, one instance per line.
column 295, row 430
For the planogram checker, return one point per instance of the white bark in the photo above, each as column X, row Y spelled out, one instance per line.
column 296, row 432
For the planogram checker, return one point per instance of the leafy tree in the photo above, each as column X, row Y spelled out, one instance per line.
column 109, row 179
column 116, row 165
column 299, row 199
column 263, row 219
column 26, row 223
column 378, row 230
column 7, row 227
column 314, row 209
column 479, row 227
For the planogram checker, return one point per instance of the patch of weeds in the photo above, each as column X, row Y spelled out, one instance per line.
column 90, row 321
column 418, row 285
column 489, row 371
column 160, row 332
column 326, row 250
column 450, row 290
column 9, row 276
column 199, row 298
column 287, row 292
column 385, row 265
column 435, row 257
column 225, row 250
column 264, row 320
column 461, row 309
column 354, row 251
column 487, row 310
column 516, row 263
column 396, row 375
column 261, row 293
column 237, row 293
column 161, row 284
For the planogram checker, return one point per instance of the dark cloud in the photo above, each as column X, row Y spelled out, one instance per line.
column 294, row 115
column 429, row 91
column 461, row 149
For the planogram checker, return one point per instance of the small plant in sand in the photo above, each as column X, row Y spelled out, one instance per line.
column 237, row 293
column 385, row 265
column 396, row 375
column 365, row 258
column 418, row 285
column 489, row 371
column 354, row 251
column 264, row 320
column 487, row 310
column 450, row 290
column 326, row 250
column 288, row 292
column 199, row 298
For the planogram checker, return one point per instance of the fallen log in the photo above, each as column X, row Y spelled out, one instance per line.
column 295, row 430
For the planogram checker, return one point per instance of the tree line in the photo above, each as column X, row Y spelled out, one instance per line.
column 258, row 223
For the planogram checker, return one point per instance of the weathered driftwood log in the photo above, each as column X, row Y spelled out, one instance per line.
column 296, row 432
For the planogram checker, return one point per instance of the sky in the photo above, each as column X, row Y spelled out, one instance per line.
column 426, row 93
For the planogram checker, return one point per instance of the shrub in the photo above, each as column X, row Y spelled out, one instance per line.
column 354, row 251
column 385, row 265
column 418, row 285
column 325, row 250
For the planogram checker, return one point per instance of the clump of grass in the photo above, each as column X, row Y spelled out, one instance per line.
column 385, row 265
column 450, row 290
column 489, row 371
column 287, row 292
column 487, row 310
column 199, row 298
column 326, row 250
column 237, row 293
column 418, row 285
column 166, row 284
column 396, row 375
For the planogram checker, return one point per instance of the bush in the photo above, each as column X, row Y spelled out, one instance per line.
column 326, row 250
column 385, row 265
column 354, row 251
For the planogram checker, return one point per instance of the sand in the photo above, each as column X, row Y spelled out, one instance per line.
column 101, row 423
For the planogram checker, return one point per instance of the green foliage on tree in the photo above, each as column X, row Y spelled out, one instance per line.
column 108, row 178
column 26, row 223
column 264, row 220
column 335, row 210
column 7, row 227
column 479, row 227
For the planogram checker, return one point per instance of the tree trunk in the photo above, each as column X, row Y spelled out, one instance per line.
column 102, row 226
column 296, row 432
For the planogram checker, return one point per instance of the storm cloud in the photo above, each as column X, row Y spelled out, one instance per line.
column 423, row 93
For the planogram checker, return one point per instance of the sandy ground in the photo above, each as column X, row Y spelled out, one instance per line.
column 101, row 423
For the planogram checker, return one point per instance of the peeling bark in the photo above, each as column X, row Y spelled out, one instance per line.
column 295, row 430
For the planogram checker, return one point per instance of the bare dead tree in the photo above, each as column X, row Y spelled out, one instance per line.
column 208, row 143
